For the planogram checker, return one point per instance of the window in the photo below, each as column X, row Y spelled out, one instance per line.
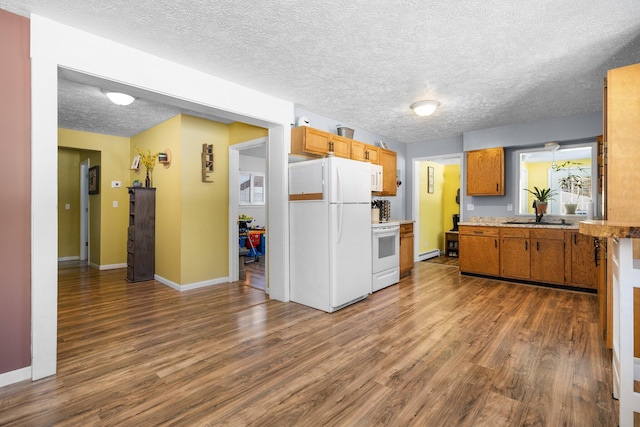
column 567, row 171
column 252, row 188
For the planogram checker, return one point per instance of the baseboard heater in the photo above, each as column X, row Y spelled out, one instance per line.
column 430, row 254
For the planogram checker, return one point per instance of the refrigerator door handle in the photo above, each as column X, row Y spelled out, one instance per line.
column 340, row 221
column 338, row 186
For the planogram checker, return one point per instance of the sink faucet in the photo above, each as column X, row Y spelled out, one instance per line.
column 535, row 208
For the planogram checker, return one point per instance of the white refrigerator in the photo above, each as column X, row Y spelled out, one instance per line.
column 330, row 232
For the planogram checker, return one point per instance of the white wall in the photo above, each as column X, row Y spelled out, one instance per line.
column 55, row 45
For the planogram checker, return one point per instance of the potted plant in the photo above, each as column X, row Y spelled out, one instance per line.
column 542, row 197
column 571, row 184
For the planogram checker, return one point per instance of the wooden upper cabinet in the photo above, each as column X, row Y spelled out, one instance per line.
column 485, row 172
column 341, row 146
column 310, row 142
column 388, row 161
column 365, row 152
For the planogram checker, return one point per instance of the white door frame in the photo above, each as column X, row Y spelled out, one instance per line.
column 234, row 200
column 84, row 210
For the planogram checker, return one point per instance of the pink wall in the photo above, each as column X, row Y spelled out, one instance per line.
column 15, row 193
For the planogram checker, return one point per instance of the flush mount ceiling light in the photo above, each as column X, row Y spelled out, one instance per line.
column 425, row 108
column 119, row 98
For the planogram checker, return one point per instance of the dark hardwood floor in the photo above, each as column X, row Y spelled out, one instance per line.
column 436, row 350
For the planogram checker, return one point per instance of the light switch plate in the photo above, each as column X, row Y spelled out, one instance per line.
column 115, row 203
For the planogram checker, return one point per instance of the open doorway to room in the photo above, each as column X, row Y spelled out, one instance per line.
column 248, row 202
column 173, row 84
column 74, row 207
column 436, row 204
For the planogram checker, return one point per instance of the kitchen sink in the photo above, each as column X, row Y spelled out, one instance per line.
column 535, row 223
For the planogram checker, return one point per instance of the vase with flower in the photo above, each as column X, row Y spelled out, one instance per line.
column 149, row 162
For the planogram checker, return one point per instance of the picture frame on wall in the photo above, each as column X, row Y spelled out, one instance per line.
column 94, row 180
column 136, row 163
column 430, row 179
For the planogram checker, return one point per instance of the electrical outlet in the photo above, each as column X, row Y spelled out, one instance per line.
column 116, row 184
column 470, row 206
column 509, row 207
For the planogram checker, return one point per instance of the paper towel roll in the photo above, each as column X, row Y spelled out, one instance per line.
column 375, row 215
column 590, row 210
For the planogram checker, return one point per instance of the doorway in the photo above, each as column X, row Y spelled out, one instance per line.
column 436, row 199
column 248, row 198
column 54, row 46
column 84, row 211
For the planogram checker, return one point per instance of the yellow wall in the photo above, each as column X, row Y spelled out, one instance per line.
column 68, row 193
column 108, row 224
column 242, row 132
column 431, row 206
column 191, row 216
column 205, row 206
column 167, row 181
column 449, row 192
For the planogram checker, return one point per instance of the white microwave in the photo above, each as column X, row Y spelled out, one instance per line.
column 376, row 178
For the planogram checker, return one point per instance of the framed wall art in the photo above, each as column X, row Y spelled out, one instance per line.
column 430, row 182
column 94, row 180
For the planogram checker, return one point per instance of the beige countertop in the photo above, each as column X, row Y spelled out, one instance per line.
column 570, row 223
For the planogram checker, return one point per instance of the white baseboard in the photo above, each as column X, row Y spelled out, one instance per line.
column 430, row 254
column 15, row 376
column 68, row 258
column 109, row 266
column 191, row 286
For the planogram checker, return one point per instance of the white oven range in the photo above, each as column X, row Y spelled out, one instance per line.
column 385, row 249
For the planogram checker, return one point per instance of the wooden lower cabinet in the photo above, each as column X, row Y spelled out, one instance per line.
column 515, row 253
column 544, row 255
column 547, row 256
column 406, row 249
column 581, row 256
column 479, row 250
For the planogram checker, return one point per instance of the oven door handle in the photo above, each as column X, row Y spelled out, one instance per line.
column 386, row 230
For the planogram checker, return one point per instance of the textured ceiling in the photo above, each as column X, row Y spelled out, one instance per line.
column 490, row 62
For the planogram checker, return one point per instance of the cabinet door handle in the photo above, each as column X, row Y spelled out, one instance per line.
column 495, row 242
column 497, row 186
column 537, row 246
column 575, row 239
column 526, row 245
